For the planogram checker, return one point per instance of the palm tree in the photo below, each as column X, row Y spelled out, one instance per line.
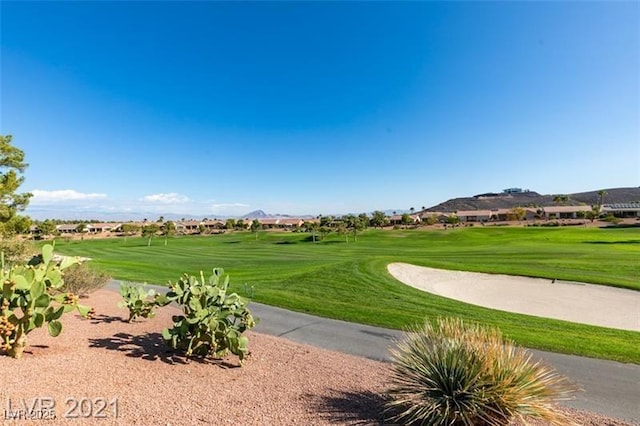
column 412, row 210
column 601, row 194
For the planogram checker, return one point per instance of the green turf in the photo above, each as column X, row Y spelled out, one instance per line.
column 349, row 281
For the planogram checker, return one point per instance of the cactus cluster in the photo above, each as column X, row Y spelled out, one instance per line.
column 213, row 320
column 140, row 301
column 28, row 300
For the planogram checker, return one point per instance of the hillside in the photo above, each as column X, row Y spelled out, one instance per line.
column 491, row 201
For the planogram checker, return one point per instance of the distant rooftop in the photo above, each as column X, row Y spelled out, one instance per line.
column 514, row 191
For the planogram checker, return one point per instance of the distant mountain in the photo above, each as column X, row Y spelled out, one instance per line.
column 491, row 201
column 256, row 214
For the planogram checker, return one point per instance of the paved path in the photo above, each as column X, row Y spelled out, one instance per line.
column 610, row 388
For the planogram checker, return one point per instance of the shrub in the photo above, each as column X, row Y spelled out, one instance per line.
column 213, row 320
column 139, row 301
column 82, row 279
column 17, row 251
column 455, row 373
column 27, row 300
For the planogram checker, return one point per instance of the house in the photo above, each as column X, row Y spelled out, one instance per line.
column 564, row 212
column 622, row 210
column 288, row 222
column 96, row 228
column 441, row 217
column 67, row 228
column 505, row 215
column 474, row 215
column 396, row 219
column 190, row 226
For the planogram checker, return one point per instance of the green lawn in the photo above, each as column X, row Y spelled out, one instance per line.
column 350, row 282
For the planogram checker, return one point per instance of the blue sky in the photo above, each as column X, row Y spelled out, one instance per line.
column 216, row 109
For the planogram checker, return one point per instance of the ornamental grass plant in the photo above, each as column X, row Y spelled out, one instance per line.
column 457, row 373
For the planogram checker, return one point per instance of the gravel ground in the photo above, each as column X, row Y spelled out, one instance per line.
column 125, row 377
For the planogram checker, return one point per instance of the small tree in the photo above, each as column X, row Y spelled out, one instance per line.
column 313, row 228
column 148, row 231
column 354, row 224
column 240, row 224
column 168, row 229
column 255, row 227
column 378, row 219
column 516, row 213
column 324, row 231
column 342, row 230
column 593, row 214
column 48, row 227
column 230, row 224
column 453, row 219
column 601, row 195
column 129, row 229
column 406, row 220
column 364, row 220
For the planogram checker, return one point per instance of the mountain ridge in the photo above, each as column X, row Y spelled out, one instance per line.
column 492, row 201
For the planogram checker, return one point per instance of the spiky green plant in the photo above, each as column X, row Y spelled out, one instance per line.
column 454, row 373
column 213, row 320
column 139, row 301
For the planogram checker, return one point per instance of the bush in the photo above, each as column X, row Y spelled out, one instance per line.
column 454, row 373
column 17, row 251
column 82, row 279
column 213, row 320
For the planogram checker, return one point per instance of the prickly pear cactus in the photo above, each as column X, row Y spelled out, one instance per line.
column 139, row 301
column 213, row 321
column 29, row 300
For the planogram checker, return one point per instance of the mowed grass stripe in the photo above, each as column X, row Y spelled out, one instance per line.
column 349, row 281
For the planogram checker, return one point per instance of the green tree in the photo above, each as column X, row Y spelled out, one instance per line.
column 12, row 166
column 48, row 227
column 129, row 229
column 593, row 214
column 601, row 195
column 326, row 221
column 432, row 219
column 342, row 230
column 406, row 220
column 16, row 225
column 364, row 220
column 255, row 227
column 324, row 231
column 230, row 224
column 516, row 213
column 378, row 219
column 148, row 231
column 353, row 224
column 313, row 228
column 240, row 224
column 168, row 229
column 453, row 219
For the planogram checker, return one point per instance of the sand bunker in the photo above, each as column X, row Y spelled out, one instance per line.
column 575, row 302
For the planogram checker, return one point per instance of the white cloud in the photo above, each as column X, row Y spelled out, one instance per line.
column 62, row 195
column 169, row 198
column 227, row 205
